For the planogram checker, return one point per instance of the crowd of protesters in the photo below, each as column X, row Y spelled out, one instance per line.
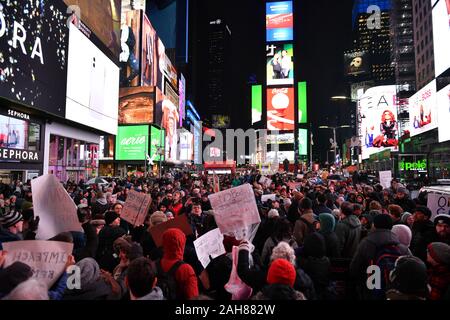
column 316, row 241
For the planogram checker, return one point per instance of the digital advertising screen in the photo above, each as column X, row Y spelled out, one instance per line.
column 149, row 58
column 92, row 85
column 441, row 36
column 279, row 156
column 220, row 121
column 356, row 63
column 379, row 126
column 103, row 18
column 215, row 152
column 186, row 146
column 130, row 56
column 443, row 102
column 280, row 64
column 132, row 142
column 33, row 52
column 156, row 142
column 303, row 142
column 279, row 21
column 136, row 105
column 280, row 109
column 302, row 103
column 282, row 138
column 423, row 110
column 13, row 133
column 170, row 118
column 256, row 103
column 182, row 96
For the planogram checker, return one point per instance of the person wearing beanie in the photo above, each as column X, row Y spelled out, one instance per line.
column 327, row 227
column 348, row 231
column 366, row 224
column 442, row 228
column 128, row 251
column 105, row 255
column 280, row 283
column 307, row 223
column 100, row 205
column 174, row 242
column 407, row 219
column 316, row 264
column 408, row 279
column 403, row 233
column 423, row 232
column 403, row 200
column 438, row 257
column 156, row 218
column 11, row 227
column 380, row 240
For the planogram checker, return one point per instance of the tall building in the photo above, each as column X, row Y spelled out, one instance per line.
column 374, row 39
column 423, row 40
column 403, row 57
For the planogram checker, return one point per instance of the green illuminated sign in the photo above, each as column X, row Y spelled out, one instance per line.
column 302, row 103
column 420, row 165
column 131, row 142
column 256, row 103
column 156, row 141
column 303, row 142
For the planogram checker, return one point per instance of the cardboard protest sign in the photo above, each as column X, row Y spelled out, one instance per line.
column 179, row 222
column 47, row 259
column 209, row 245
column 294, row 185
column 385, row 178
column 266, row 197
column 438, row 204
column 136, row 207
column 235, row 209
column 54, row 206
column 265, row 181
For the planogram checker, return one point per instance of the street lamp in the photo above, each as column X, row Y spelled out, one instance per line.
column 334, row 136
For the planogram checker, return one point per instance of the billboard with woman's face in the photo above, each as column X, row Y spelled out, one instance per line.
column 280, row 64
column 423, row 110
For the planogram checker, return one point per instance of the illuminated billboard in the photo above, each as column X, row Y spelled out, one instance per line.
column 256, row 103
column 186, row 146
column 279, row 156
column 182, row 96
column 303, row 142
column 149, row 59
column 283, row 138
column 280, row 64
column 423, row 110
column 379, row 126
column 443, row 102
column 136, row 105
column 156, row 142
column 132, row 143
column 356, row 63
column 279, row 21
column 441, row 36
column 302, row 103
column 280, row 109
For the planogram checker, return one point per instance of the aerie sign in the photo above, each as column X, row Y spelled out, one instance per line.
column 132, row 141
column 19, row 36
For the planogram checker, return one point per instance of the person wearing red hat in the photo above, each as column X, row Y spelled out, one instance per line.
column 280, row 280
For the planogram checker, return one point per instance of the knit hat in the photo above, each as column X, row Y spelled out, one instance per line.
column 402, row 190
column 157, row 217
column 11, row 218
column 403, row 233
column 281, row 271
column 89, row 271
column 405, row 217
column 440, row 252
column 382, row 221
column 110, row 216
column 409, row 276
column 424, row 210
column 327, row 222
column 273, row 213
column 442, row 218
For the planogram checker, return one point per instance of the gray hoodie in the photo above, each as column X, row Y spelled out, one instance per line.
column 155, row 294
column 348, row 231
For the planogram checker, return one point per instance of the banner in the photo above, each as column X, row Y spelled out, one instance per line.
column 266, row 197
column 235, row 209
column 180, row 222
column 209, row 246
column 438, row 204
column 265, row 181
column 136, row 208
column 385, row 179
column 47, row 259
column 54, row 206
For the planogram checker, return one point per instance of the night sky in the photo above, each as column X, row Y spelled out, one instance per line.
column 323, row 31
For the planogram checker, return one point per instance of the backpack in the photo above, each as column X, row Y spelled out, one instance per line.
column 312, row 227
column 384, row 258
column 166, row 280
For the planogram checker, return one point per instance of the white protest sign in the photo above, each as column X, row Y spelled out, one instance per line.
column 385, row 179
column 265, row 181
column 235, row 209
column 438, row 204
column 266, row 197
column 54, row 206
column 47, row 259
column 136, row 207
column 209, row 245
column 300, row 176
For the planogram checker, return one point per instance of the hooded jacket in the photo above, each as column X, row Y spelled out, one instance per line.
column 327, row 226
column 368, row 249
column 301, row 230
column 155, row 294
column 174, row 242
column 105, row 249
column 348, row 232
column 278, row 292
column 422, row 235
